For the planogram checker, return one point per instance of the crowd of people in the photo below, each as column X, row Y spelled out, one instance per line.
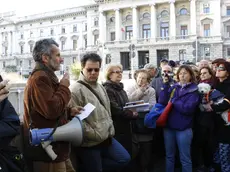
column 195, row 137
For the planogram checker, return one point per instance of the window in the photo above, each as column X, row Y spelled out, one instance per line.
column 85, row 26
column 62, row 45
column 206, row 8
column 30, row 63
column 95, row 39
column 85, row 42
column 183, row 31
column 146, row 16
column 112, row 19
column 96, row 22
column 182, row 54
column 164, row 30
column 228, row 11
column 128, row 32
column 112, row 36
column 74, row 59
column 22, row 49
column 51, row 32
column 164, row 13
column 20, row 63
column 31, row 48
column 128, row 18
column 74, row 44
column 63, row 30
column 5, row 50
column 146, row 30
column 74, row 28
column 31, row 34
column 4, row 64
column 228, row 51
column 41, row 33
column 206, row 30
column 183, row 11
column 22, row 36
column 228, row 31
column 206, row 51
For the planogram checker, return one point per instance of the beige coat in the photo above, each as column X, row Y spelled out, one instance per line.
column 99, row 125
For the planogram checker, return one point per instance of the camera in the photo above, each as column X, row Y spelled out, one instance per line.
column 167, row 74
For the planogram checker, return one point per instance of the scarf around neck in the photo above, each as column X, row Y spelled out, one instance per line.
column 49, row 72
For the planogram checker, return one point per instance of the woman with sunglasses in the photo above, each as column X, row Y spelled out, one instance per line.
column 222, row 155
column 118, row 98
column 204, row 125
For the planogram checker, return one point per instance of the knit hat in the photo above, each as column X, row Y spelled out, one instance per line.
column 172, row 63
column 164, row 60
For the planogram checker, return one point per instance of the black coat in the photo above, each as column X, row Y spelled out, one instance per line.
column 121, row 118
column 9, row 123
column 223, row 130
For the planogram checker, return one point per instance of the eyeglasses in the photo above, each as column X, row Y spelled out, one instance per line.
column 220, row 68
column 117, row 71
column 166, row 71
column 93, row 69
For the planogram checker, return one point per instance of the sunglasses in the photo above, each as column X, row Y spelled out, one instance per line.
column 166, row 71
column 220, row 68
column 117, row 71
column 93, row 69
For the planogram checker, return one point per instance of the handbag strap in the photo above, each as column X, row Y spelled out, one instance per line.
column 93, row 91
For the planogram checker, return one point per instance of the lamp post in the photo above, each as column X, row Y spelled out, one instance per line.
column 132, row 54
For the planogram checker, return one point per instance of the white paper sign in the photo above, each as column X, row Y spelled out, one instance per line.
column 87, row 111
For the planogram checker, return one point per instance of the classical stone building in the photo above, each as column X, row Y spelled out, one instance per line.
column 149, row 29
column 174, row 29
column 74, row 29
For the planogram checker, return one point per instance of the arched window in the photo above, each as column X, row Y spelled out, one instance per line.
column 164, row 13
column 112, row 19
column 183, row 11
column 146, row 15
column 128, row 17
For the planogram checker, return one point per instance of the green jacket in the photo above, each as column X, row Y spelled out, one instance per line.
column 99, row 125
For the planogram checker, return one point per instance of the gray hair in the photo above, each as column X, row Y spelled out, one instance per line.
column 149, row 66
column 43, row 47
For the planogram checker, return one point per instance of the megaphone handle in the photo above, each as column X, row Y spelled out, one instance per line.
column 49, row 150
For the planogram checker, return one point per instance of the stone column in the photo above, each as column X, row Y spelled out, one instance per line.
column 9, row 43
column 117, row 25
column 102, row 27
column 217, row 19
column 153, row 22
column 135, row 25
column 193, row 17
column 172, row 19
column 89, row 30
column 1, row 41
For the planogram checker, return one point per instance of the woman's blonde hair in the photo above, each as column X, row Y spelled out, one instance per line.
column 109, row 70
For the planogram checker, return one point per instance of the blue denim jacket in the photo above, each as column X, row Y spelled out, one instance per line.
column 185, row 103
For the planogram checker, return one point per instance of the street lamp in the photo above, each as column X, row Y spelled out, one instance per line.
column 132, row 54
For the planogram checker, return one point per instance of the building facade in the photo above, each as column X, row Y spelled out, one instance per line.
column 74, row 29
column 130, row 32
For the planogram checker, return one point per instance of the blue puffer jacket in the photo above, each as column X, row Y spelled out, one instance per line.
column 9, row 123
column 185, row 102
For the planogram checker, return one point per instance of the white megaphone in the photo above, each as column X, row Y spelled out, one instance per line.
column 70, row 132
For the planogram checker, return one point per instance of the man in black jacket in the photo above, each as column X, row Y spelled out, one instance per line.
column 9, row 128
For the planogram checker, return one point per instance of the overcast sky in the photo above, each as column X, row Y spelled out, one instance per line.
column 28, row 7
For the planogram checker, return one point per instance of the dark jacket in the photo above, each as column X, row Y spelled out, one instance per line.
column 45, row 100
column 185, row 102
column 157, row 84
column 9, row 123
column 223, row 130
column 121, row 118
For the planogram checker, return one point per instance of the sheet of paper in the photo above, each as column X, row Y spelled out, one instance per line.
column 88, row 109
